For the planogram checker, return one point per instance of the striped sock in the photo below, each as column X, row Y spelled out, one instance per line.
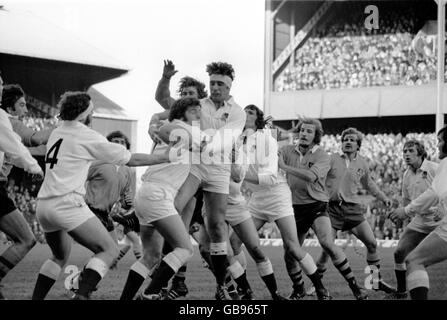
column 345, row 269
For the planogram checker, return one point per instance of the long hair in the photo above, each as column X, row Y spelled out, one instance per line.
column 318, row 128
column 259, row 122
column 72, row 104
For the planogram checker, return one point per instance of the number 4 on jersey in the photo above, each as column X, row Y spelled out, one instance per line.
column 52, row 160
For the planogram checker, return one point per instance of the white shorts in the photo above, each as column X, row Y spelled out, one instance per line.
column 62, row 213
column 418, row 224
column 237, row 213
column 154, row 201
column 213, row 178
column 441, row 230
column 271, row 204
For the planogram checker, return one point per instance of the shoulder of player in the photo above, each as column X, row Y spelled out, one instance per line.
column 430, row 166
column 320, row 153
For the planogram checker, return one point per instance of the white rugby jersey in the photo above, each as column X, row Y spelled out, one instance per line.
column 227, row 119
column 11, row 143
column 265, row 165
column 71, row 148
column 171, row 173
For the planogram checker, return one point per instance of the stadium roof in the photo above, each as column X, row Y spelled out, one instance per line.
column 25, row 34
column 106, row 108
column 46, row 60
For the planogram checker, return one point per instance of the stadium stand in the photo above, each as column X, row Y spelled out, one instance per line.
column 342, row 53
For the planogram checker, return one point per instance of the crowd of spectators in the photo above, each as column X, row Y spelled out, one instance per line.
column 344, row 54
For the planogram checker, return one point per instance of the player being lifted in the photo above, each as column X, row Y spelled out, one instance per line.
column 12, row 222
column 433, row 248
column 306, row 166
column 226, row 119
column 61, row 209
column 349, row 172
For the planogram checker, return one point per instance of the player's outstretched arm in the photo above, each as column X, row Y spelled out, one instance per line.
column 18, row 153
column 163, row 94
column 143, row 159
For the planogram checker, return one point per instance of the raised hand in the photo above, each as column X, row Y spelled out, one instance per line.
column 168, row 69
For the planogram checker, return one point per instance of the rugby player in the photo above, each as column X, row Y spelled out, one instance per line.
column 416, row 180
column 12, row 222
column 306, row 166
column 61, row 209
column 348, row 173
column 433, row 248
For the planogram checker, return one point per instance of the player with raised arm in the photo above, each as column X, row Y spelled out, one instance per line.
column 222, row 119
column 306, row 166
column 188, row 88
column 12, row 222
column 61, row 209
column 348, row 173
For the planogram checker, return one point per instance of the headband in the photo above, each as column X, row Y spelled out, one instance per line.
column 85, row 113
column 219, row 77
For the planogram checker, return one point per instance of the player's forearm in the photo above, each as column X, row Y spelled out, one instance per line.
column 237, row 172
column 422, row 203
column 163, row 94
column 300, row 173
column 143, row 159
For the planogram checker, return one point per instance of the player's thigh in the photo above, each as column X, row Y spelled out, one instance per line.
column 287, row 228
column 94, row 236
column 324, row 231
column 60, row 244
column 364, row 233
column 188, row 211
column 431, row 250
column 186, row 192
column 408, row 241
column 15, row 227
column 174, row 231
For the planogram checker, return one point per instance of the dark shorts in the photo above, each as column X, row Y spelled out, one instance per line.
column 345, row 216
column 6, row 204
column 305, row 214
column 197, row 215
column 105, row 218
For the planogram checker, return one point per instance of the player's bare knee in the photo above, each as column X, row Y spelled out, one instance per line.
column 257, row 254
column 399, row 255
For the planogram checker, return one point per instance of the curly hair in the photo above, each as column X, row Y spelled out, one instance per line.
column 191, row 82
column 118, row 134
column 420, row 148
column 179, row 107
column 11, row 93
column 318, row 128
column 221, row 68
column 352, row 130
column 72, row 104
column 259, row 122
